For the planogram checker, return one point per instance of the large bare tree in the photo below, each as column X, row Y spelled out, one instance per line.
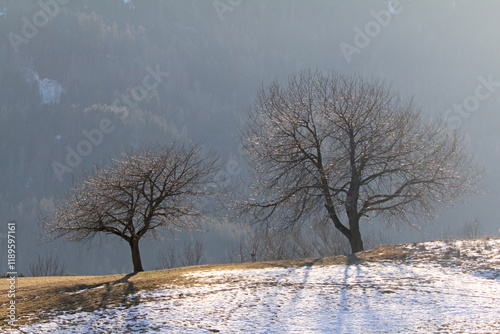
column 154, row 187
column 350, row 149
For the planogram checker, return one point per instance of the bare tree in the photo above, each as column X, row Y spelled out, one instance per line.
column 246, row 249
column 167, row 258
column 263, row 245
column 155, row 187
column 193, row 251
column 321, row 240
column 318, row 240
column 349, row 149
column 472, row 230
column 47, row 266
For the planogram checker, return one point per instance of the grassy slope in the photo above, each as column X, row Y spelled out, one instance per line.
column 35, row 296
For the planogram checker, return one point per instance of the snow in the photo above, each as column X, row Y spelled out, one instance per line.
column 50, row 90
column 443, row 287
column 83, row 290
column 129, row 3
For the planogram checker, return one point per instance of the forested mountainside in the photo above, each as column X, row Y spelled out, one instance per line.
column 159, row 70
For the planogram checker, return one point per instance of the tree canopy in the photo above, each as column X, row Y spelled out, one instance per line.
column 154, row 187
column 349, row 148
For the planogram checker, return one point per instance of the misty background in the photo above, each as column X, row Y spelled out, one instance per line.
column 162, row 70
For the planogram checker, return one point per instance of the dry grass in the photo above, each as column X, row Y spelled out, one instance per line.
column 37, row 296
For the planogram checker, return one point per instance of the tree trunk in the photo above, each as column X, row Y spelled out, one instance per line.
column 352, row 233
column 355, row 238
column 136, row 255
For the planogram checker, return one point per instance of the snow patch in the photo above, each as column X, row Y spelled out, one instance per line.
column 83, row 290
column 129, row 3
column 50, row 90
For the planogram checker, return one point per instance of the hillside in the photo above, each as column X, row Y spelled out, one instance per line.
column 430, row 287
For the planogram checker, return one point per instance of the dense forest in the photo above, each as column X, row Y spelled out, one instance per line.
column 153, row 71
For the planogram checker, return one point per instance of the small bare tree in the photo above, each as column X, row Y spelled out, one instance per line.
column 47, row 266
column 167, row 258
column 193, row 251
column 155, row 187
column 349, row 149
column 246, row 249
column 263, row 245
column 321, row 240
column 472, row 230
column 318, row 240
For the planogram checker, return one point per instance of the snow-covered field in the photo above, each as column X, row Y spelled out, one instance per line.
column 443, row 287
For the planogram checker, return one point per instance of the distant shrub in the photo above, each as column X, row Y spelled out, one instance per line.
column 472, row 230
column 8, row 275
column 47, row 266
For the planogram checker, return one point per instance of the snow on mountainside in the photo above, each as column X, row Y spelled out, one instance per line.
column 431, row 287
column 50, row 90
column 129, row 3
